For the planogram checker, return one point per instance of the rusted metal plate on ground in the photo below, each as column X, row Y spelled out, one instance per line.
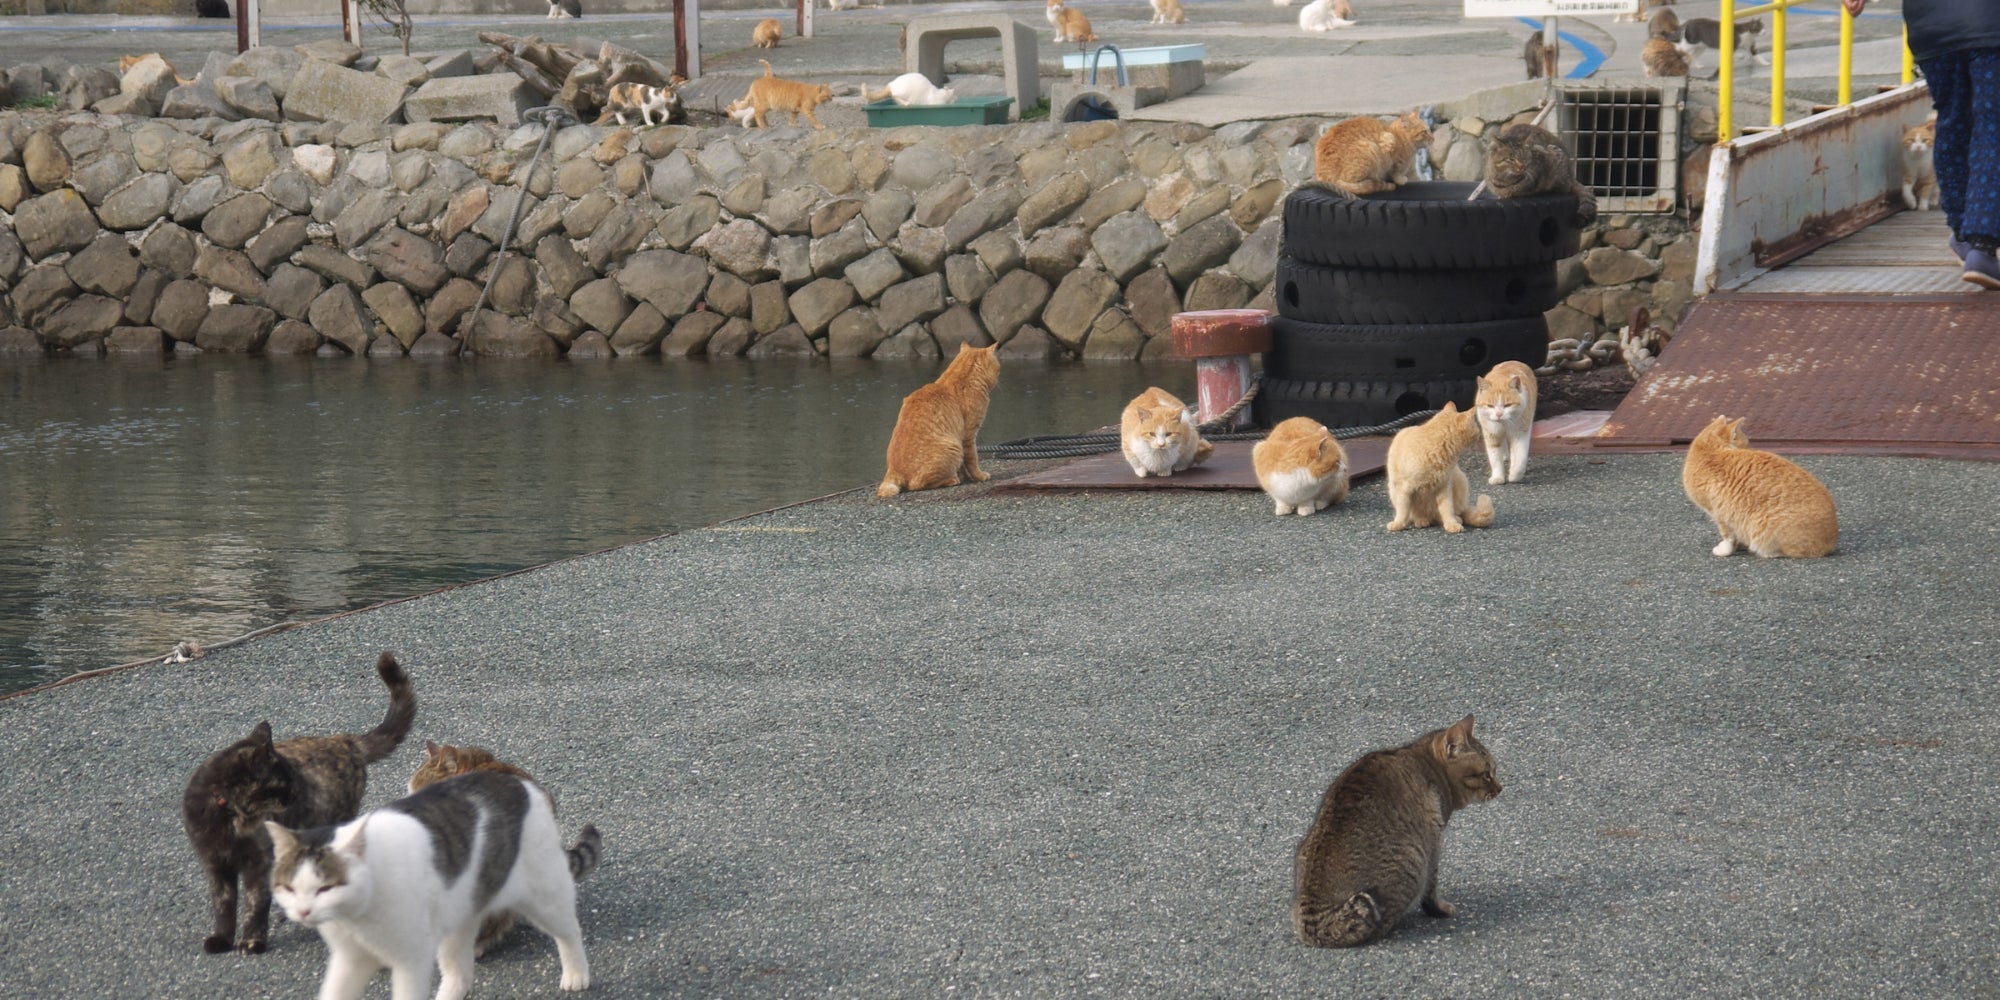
column 1228, row 469
column 1901, row 376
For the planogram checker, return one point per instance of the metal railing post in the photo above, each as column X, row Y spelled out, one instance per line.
column 1725, row 78
column 1777, row 63
column 1846, row 56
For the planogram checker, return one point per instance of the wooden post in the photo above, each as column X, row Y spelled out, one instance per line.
column 687, row 38
column 1221, row 342
column 350, row 21
column 805, row 18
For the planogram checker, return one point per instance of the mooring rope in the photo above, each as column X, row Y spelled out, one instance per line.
column 550, row 117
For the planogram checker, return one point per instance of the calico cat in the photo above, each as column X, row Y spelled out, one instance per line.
column 1663, row 58
column 1325, row 15
column 443, row 761
column 643, row 102
column 1158, row 435
column 913, row 90
column 936, row 440
column 1527, row 159
column 1505, row 406
column 1300, row 466
column 1168, row 12
column 742, row 111
column 407, row 885
column 1374, row 847
column 307, row 781
column 1920, row 184
column 1426, row 486
column 1706, row 32
column 1364, row 156
column 766, row 34
column 1070, row 24
column 769, row 93
column 1757, row 500
column 565, row 9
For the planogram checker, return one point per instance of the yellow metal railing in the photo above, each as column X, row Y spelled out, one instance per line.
column 1725, row 128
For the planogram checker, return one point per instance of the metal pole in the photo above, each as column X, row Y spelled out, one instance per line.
column 1725, row 78
column 1778, row 64
column 1846, row 56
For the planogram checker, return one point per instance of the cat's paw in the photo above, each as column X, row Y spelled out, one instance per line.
column 1439, row 908
column 1724, row 547
column 216, row 944
column 1496, row 479
column 980, row 477
column 574, row 982
column 251, row 946
column 1283, row 509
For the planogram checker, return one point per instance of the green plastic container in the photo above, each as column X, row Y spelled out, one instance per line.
column 967, row 111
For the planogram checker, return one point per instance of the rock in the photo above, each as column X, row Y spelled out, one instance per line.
column 830, row 217
column 183, row 304
column 107, row 266
column 1014, row 301
column 197, row 198
column 1031, row 343
column 18, row 342
column 316, row 162
column 145, row 294
column 853, row 334
column 730, row 295
column 446, row 310
column 618, row 235
column 1218, row 290
column 396, row 308
column 56, row 222
column 233, row 222
column 1126, row 244
column 741, row 247
column 1200, row 208
column 365, row 217
column 691, row 334
column 499, row 98
column 731, row 339
column 1053, row 202
column 793, row 255
column 874, row 273
column 673, row 282
column 935, row 206
column 326, row 91
column 589, row 347
column 41, row 291
column 1612, row 266
column 80, row 320
column 150, row 78
column 136, row 340
column 14, row 187
column 434, row 345
column 229, row 270
column 271, row 64
column 339, row 52
column 138, row 204
column 885, row 211
column 465, row 254
column 235, row 328
column 169, row 248
column 1152, row 301
column 248, row 97
column 912, row 301
column 335, row 265
column 1054, row 253
column 1076, row 304
column 1116, row 198
column 640, row 332
column 1207, row 244
column 46, row 161
column 1254, row 205
column 403, row 257
column 957, row 326
column 913, row 341
column 97, row 177
column 1114, row 337
column 769, row 307
column 403, row 69
column 11, row 256
column 83, row 86
column 277, row 242
column 788, row 341
column 290, row 291
column 816, row 304
column 601, row 305
column 562, row 267
column 194, row 101
column 133, row 105
column 251, row 159
column 292, row 337
column 831, row 254
column 514, row 286
column 985, row 212
column 966, row 278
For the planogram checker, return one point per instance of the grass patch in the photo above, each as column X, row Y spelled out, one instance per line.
column 1038, row 113
column 46, row 102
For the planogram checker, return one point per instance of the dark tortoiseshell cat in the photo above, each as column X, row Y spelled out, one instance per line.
column 305, row 782
column 1373, row 850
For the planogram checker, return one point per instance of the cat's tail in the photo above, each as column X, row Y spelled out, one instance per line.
column 874, row 95
column 378, row 742
column 767, row 67
column 1481, row 514
column 1356, row 921
column 583, row 857
column 888, row 489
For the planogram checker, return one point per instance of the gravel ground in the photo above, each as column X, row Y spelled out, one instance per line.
column 989, row 744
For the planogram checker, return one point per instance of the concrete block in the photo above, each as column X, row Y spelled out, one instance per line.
column 456, row 64
column 1019, row 63
column 500, row 97
column 327, row 92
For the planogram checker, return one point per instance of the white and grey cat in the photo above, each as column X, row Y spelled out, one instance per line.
column 406, row 886
column 914, row 90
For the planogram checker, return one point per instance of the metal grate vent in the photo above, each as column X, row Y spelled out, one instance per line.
column 1626, row 140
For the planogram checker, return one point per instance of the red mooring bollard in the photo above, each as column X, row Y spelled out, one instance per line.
column 1221, row 342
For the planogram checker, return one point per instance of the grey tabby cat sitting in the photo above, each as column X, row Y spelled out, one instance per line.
column 1528, row 159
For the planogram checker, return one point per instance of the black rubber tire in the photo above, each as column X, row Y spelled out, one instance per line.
column 1319, row 352
column 1356, row 297
column 1429, row 225
column 1355, row 402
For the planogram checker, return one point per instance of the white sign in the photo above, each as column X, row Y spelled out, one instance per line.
column 1548, row 8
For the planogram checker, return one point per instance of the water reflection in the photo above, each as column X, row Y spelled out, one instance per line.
column 147, row 501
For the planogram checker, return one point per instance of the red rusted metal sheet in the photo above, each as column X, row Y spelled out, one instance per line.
column 1228, row 469
column 1910, row 375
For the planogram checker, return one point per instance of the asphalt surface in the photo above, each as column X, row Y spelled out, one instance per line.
column 985, row 744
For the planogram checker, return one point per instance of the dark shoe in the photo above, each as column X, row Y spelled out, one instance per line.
column 1959, row 248
column 1982, row 269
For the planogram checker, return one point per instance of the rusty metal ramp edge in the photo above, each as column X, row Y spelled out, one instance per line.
column 1227, row 469
column 1844, row 374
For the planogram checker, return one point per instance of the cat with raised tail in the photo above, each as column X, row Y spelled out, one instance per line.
column 1426, row 486
column 1505, row 406
column 1757, row 500
column 1373, row 850
column 913, row 90
column 1158, row 435
column 407, row 886
column 305, row 781
column 1301, row 467
column 936, row 440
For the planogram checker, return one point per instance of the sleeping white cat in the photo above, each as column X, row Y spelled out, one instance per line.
column 914, row 90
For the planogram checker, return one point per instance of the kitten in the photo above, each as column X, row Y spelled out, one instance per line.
column 1071, row 25
column 1325, row 15
column 1364, row 156
column 565, row 9
column 769, row 93
column 1374, row 847
column 1505, row 406
column 1528, row 159
column 1158, row 435
column 913, row 90
column 936, row 440
column 1426, row 486
column 443, row 761
column 643, row 102
column 1300, row 466
column 766, row 34
column 1168, row 12
column 1663, row 58
column 405, row 886
column 1920, row 185
column 307, row 781
column 1758, row 500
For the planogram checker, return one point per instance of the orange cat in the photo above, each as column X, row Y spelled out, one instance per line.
column 1158, row 435
column 1364, row 156
column 1920, row 185
column 769, row 93
column 1168, row 12
column 125, row 64
column 1756, row 499
column 766, row 34
column 935, row 442
column 1426, row 486
column 1301, row 467
column 1505, row 406
column 1070, row 24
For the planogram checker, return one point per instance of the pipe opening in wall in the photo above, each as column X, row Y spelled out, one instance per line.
column 1626, row 142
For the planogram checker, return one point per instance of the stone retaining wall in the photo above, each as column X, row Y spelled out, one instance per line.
column 142, row 235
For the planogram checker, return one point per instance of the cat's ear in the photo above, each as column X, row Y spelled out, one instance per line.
column 1458, row 737
column 260, row 737
column 355, row 842
column 1519, row 386
column 431, row 748
column 282, row 840
column 1187, row 415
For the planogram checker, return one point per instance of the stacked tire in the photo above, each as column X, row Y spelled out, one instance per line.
column 1392, row 304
